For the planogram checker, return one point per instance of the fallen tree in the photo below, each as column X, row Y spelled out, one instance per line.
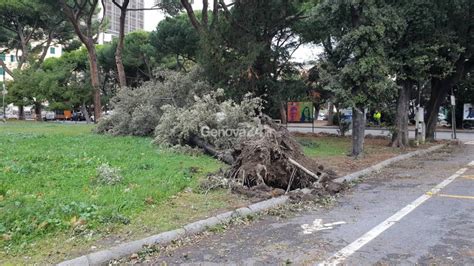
column 267, row 159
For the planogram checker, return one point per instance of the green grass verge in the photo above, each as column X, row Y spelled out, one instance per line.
column 48, row 182
column 324, row 146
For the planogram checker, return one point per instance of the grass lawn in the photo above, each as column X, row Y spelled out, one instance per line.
column 53, row 207
column 324, row 146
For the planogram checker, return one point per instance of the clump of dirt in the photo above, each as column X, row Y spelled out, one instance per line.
column 273, row 163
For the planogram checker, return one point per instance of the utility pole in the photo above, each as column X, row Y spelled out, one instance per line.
column 453, row 113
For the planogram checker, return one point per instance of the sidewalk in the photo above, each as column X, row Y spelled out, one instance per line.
column 323, row 124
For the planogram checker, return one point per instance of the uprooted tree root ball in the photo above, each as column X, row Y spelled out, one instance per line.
column 274, row 163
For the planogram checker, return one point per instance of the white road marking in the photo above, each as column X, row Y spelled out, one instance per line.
column 471, row 163
column 350, row 249
column 470, row 142
column 318, row 226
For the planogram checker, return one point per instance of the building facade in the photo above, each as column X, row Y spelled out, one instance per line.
column 135, row 20
column 11, row 60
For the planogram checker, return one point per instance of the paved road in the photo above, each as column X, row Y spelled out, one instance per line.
column 463, row 136
column 387, row 219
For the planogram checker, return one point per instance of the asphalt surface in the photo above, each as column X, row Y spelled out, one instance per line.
column 440, row 230
column 441, row 135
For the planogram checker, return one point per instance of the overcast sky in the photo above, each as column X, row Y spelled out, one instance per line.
column 152, row 17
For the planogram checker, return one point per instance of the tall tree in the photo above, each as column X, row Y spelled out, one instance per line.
column 30, row 30
column 246, row 45
column 118, row 53
column 23, row 19
column 81, row 14
column 411, row 58
column 455, row 56
column 355, row 35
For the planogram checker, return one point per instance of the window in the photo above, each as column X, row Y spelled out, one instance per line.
column 1, row 72
column 12, row 58
column 2, row 57
column 52, row 50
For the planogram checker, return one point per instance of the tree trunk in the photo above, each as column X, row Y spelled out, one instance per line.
column 37, row 111
column 95, row 81
column 400, row 136
column 358, row 131
column 317, row 108
column 86, row 36
column 120, row 69
column 120, row 44
column 211, row 150
column 439, row 91
column 330, row 114
column 46, row 48
column 5, row 68
column 85, row 113
column 21, row 112
column 283, row 112
column 148, row 68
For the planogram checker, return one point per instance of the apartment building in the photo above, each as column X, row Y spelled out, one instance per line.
column 135, row 20
column 10, row 58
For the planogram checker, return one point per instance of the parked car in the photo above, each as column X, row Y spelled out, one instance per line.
column 48, row 115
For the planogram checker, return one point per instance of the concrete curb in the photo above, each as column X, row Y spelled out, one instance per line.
column 125, row 249
column 379, row 166
column 129, row 248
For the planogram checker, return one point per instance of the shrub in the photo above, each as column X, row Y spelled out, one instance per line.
column 138, row 111
column 178, row 124
column 108, row 175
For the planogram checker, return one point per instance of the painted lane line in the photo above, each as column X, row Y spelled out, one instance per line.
column 350, row 249
column 456, row 196
column 335, row 223
column 470, row 142
column 471, row 163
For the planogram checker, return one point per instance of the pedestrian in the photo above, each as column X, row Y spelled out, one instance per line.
column 377, row 117
column 74, row 116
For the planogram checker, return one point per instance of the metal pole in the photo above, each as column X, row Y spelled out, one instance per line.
column 453, row 113
column 454, row 121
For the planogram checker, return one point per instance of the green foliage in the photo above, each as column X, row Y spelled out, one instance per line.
column 249, row 51
column 29, row 24
column 60, row 81
column 179, row 124
column 426, row 48
column 355, row 34
column 176, row 38
column 139, row 57
column 138, row 111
